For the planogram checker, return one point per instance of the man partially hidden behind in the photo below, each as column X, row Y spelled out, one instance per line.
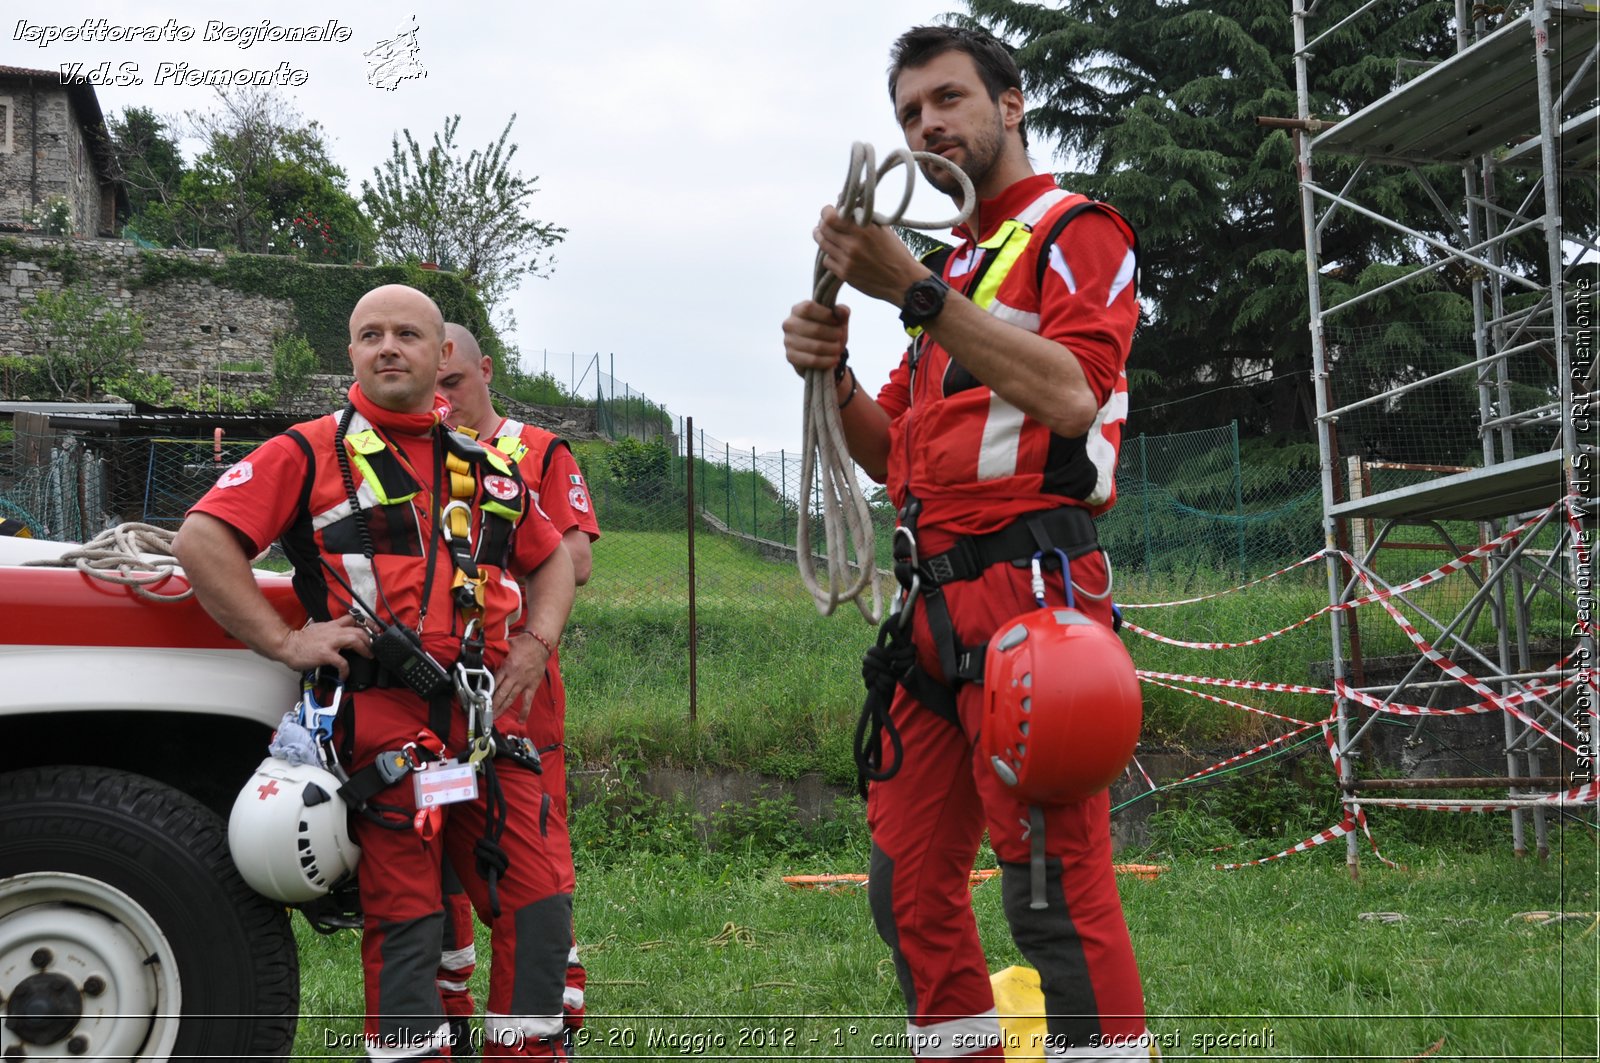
column 549, row 468
column 997, row 437
column 360, row 501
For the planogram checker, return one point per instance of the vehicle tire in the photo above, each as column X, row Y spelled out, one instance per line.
column 126, row 932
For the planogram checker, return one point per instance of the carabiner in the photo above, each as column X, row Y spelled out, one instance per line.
column 1038, row 577
column 908, row 598
column 444, row 518
column 314, row 715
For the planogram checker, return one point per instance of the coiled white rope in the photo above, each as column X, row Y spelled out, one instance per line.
column 118, row 555
column 846, row 518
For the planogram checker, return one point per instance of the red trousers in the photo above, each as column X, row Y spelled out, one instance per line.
column 401, row 900
column 546, row 727
column 927, row 822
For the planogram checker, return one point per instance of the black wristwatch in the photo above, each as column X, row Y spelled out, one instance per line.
column 923, row 301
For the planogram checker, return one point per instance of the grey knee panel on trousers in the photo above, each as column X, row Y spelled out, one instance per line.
column 880, row 898
column 544, row 939
column 408, row 996
column 1049, row 940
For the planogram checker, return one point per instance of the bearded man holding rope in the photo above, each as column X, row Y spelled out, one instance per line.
column 997, row 437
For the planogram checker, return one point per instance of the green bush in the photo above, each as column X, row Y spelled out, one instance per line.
column 293, row 364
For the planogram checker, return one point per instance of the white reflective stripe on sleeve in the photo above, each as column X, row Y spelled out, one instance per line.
column 509, row 1030
column 1059, row 264
column 1140, row 1046
column 1002, row 436
column 572, row 998
column 1040, row 207
column 954, row 1038
column 422, row 1047
column 458, row 959
column 1124, row 276
column 447, row 986
column 1012, row 316
column 1099, row 448
column 358, row 570
column 572, row 957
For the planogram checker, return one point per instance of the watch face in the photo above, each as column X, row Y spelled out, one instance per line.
column 922, row 300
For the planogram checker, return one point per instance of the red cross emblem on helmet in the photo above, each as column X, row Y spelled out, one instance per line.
column 1061, row 706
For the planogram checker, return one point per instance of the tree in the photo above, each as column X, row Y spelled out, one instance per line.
column 82, row 340
column 1154, row 103
column 262, row 182
column 147, row 162
column 472, row 214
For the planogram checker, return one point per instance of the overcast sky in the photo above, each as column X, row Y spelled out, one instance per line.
column 686, row 146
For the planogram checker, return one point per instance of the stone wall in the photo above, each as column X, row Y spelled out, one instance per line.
column 189, row 323
column 55, row 162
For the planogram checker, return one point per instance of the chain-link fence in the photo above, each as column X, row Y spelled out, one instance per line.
column 1185, row 502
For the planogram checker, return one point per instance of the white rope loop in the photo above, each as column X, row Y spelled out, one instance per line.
column 846, row 518
column 117, row 555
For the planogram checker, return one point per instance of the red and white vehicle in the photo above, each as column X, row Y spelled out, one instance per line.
column 130, row 726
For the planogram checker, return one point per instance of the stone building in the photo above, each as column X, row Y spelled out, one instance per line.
column 54, row 143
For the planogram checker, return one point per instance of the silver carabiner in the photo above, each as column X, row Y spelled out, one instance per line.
column 911, row 541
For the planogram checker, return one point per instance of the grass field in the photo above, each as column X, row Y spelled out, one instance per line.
column 697, row 952
column 709, row 954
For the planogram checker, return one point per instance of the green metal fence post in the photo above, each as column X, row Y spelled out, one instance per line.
column 727, row 485
column 1144, row 499
column 755, row 495
column 1238, row 494
column 783, row 496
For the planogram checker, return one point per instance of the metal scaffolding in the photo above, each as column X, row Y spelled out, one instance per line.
column 1515, row 110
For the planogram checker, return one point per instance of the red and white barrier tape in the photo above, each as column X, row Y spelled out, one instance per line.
column 1578, row 796
column 1378, row 595
column 1455, row 671
column 1203, row 772
column 1238, row 684
column 1318, row 556
column 1320, row 838
column 1395, row 708
column 1225, row 701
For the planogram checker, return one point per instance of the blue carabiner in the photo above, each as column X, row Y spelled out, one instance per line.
column 315, row 716
column 1066, row 578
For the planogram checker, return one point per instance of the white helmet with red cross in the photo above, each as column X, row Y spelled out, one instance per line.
column 290, row 832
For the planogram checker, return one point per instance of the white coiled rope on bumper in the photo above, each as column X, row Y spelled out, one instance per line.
column 137, row 556
column 846, row 519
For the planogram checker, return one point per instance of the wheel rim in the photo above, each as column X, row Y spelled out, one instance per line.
column 71, row 942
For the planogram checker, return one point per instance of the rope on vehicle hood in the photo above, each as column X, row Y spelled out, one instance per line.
column 135, row 555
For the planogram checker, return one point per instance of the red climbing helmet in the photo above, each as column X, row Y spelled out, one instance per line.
column 1061, row 706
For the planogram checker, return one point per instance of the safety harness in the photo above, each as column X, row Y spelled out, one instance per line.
column 1059, row 535
column 481, row 480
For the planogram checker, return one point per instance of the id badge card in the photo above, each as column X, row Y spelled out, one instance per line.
column 444, row 783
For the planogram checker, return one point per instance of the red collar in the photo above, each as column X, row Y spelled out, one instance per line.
column 1008, row 204
column 408, row 423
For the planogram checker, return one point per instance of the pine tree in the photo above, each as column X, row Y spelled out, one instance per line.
column 1154, row 105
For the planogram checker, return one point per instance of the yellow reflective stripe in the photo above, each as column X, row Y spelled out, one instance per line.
column 1010, row 238
column 370, row 479
column 499, row 509
column 368, row 442
column 1007, row 243
column 497, row 459
column 512, row 447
